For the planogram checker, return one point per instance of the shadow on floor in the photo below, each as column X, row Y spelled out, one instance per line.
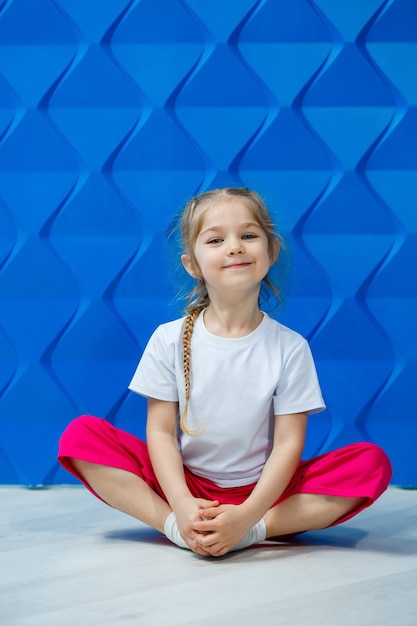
column 344, row 537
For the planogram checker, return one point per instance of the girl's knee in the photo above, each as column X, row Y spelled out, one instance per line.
column 83, row 438
column 82, row 434
column 376, row 461
column 375, row 455
column 79, row 425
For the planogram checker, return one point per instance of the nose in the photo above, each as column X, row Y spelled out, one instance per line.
column 236, row 247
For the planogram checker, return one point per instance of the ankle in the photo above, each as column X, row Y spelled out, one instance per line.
column 172, row 532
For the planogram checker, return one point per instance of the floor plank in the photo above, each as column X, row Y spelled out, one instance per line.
column 68, row 559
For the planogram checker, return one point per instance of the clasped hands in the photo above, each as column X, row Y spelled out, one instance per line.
column 210, row 528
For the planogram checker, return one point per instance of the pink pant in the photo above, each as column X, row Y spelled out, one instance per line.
column 358, row 470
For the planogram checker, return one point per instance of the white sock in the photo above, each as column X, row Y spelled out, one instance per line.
column 172, row 532
column 255, row 535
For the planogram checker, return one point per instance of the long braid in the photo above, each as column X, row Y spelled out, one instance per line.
column 188, row 331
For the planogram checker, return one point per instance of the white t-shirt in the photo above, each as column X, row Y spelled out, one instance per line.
column 238, row 386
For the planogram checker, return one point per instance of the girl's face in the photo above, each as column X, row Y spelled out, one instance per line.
column 231, row 249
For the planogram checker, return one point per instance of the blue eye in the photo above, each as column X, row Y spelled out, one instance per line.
column 249, row 236
column 216, row 240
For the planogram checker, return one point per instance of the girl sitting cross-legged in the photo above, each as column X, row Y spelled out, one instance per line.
column 229, row 391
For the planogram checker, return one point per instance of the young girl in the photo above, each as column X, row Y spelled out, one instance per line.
column 229, row 391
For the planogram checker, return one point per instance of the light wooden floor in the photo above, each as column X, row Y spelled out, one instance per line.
column 66, row 559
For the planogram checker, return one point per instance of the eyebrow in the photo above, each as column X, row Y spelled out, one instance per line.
column 217, row 228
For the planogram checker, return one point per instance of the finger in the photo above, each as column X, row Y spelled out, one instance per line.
column 199, row 549
column 204, row 527
column 217, row 549
column 208, row 542
column 209, row 512
column 221, row 552
column 206, row 504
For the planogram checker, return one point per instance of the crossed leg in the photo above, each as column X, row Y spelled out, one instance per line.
column 125, row 492
column 304, row 511
column 129, row 494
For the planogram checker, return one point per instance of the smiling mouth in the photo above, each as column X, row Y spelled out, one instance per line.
column 234, row 265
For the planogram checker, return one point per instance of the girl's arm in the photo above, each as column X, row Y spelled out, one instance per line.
column 161, row 436
column 288, row 444
column 232, row 522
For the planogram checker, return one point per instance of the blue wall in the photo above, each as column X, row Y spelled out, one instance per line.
column 114, row 112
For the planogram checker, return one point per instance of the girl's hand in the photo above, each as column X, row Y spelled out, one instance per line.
column 221, row 527
column 187, row 511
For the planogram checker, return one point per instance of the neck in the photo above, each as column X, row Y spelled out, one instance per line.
column 228, row 320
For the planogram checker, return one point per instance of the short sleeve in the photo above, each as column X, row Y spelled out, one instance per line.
column 298, row 389
column 155, row 375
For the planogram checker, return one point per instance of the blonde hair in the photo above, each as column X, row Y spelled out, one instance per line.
column 198, row 299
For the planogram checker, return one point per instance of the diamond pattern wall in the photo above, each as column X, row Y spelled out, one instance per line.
column 114, row 112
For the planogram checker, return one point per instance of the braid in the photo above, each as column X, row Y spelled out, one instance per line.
column 188, row 331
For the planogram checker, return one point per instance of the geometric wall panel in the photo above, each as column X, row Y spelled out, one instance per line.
column 114, row 112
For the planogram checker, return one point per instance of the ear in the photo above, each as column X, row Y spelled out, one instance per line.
column 274, row 252
column 189, row 266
